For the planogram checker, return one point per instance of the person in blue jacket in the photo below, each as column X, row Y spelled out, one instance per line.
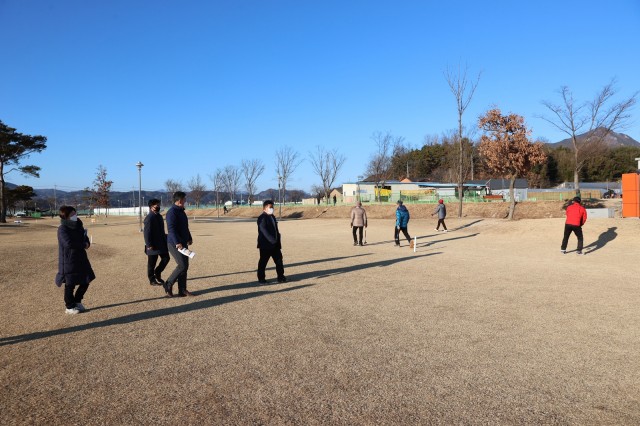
column 74, row 268
column 402, row 222
column 178, row 238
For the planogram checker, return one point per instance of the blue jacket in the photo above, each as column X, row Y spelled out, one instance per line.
column 178, row 227
column 402, row 217
column 73, row 264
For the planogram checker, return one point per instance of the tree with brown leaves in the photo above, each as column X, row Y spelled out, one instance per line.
column 506, row 148
column 101, row 189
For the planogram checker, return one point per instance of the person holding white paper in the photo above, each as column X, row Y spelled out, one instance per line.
column 178, row 238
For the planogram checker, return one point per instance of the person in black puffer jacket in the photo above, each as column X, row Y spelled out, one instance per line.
column 155, row 243
column 74, row 268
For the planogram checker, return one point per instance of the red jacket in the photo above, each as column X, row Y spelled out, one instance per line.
column 576, row 215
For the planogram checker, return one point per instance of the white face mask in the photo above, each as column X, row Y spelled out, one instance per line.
column 269, row 211
column 74, row 218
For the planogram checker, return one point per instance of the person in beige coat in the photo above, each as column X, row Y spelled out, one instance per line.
column 358, row 222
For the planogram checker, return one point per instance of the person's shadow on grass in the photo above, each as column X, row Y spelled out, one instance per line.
column 604, row 238
column 146, row 315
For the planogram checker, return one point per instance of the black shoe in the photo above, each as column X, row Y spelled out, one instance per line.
column 282, row 279
column 184, row 293
column 167, row 289
column 361, row 244
column 158, row 280
column 263, row 281
column 355, row 243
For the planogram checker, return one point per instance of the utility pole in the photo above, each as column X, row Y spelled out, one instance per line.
column 139, row 166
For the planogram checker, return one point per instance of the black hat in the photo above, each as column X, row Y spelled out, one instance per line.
column 400, row 202
column 577, row 199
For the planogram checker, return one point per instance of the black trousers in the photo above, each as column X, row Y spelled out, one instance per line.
column 397, row 235
column 180, row 273
column 441, row 221
column 71, row 299
column 265, row 255
column 359, row 229
column 568, row 229
column 152, row 270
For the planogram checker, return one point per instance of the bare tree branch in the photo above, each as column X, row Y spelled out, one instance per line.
column 287, row 161
column 463, row 90
column 197, row 189
column 588, row 124
column 251, row 169
column 231, row 177
column 326, row 164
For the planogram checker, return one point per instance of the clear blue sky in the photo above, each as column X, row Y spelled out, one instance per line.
column 188, row 87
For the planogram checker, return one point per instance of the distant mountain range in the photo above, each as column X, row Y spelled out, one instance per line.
column 612, row 140
column 130, row 198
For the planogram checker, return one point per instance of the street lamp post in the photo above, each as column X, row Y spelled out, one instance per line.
column 358, row 187
column 139, row 166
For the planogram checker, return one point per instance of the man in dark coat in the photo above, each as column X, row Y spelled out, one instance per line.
column 179, row 238
column 269, row 243
column 155, row 243
column 74, row 268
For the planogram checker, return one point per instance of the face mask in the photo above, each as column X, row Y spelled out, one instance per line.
column 269, row 211
column 73, row 218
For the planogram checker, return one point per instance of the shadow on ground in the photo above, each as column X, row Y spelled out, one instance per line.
column 604, row 238
column 288, row 265
column 141, row 316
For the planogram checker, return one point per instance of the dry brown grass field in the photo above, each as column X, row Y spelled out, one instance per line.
column 486, row 324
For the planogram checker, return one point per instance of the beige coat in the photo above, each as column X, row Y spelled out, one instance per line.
column 358, row 217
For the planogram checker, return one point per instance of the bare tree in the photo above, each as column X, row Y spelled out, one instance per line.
column 172, row 186
column 197, row 189
column 317, row 191
column 463, row 90
column 287, row 161
column 217, row 179
column 296, row 195
column 379, row 167
column 596, row 119
column 231, row 177
column 326, row 164
column 251, row 169
column 507, row 149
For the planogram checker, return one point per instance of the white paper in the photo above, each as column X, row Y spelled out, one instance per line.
column 190, row 254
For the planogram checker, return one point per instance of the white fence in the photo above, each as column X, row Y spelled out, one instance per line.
column 121, row 211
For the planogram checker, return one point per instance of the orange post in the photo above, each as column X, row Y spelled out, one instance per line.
column 631, row 195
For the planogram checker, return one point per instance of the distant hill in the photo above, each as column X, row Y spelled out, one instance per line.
column 130, row 198
column 613, row 140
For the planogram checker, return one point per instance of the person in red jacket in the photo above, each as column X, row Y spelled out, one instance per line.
column 576, row 217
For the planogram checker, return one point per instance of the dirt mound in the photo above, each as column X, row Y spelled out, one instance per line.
column 499, row 210
column 537, row 210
